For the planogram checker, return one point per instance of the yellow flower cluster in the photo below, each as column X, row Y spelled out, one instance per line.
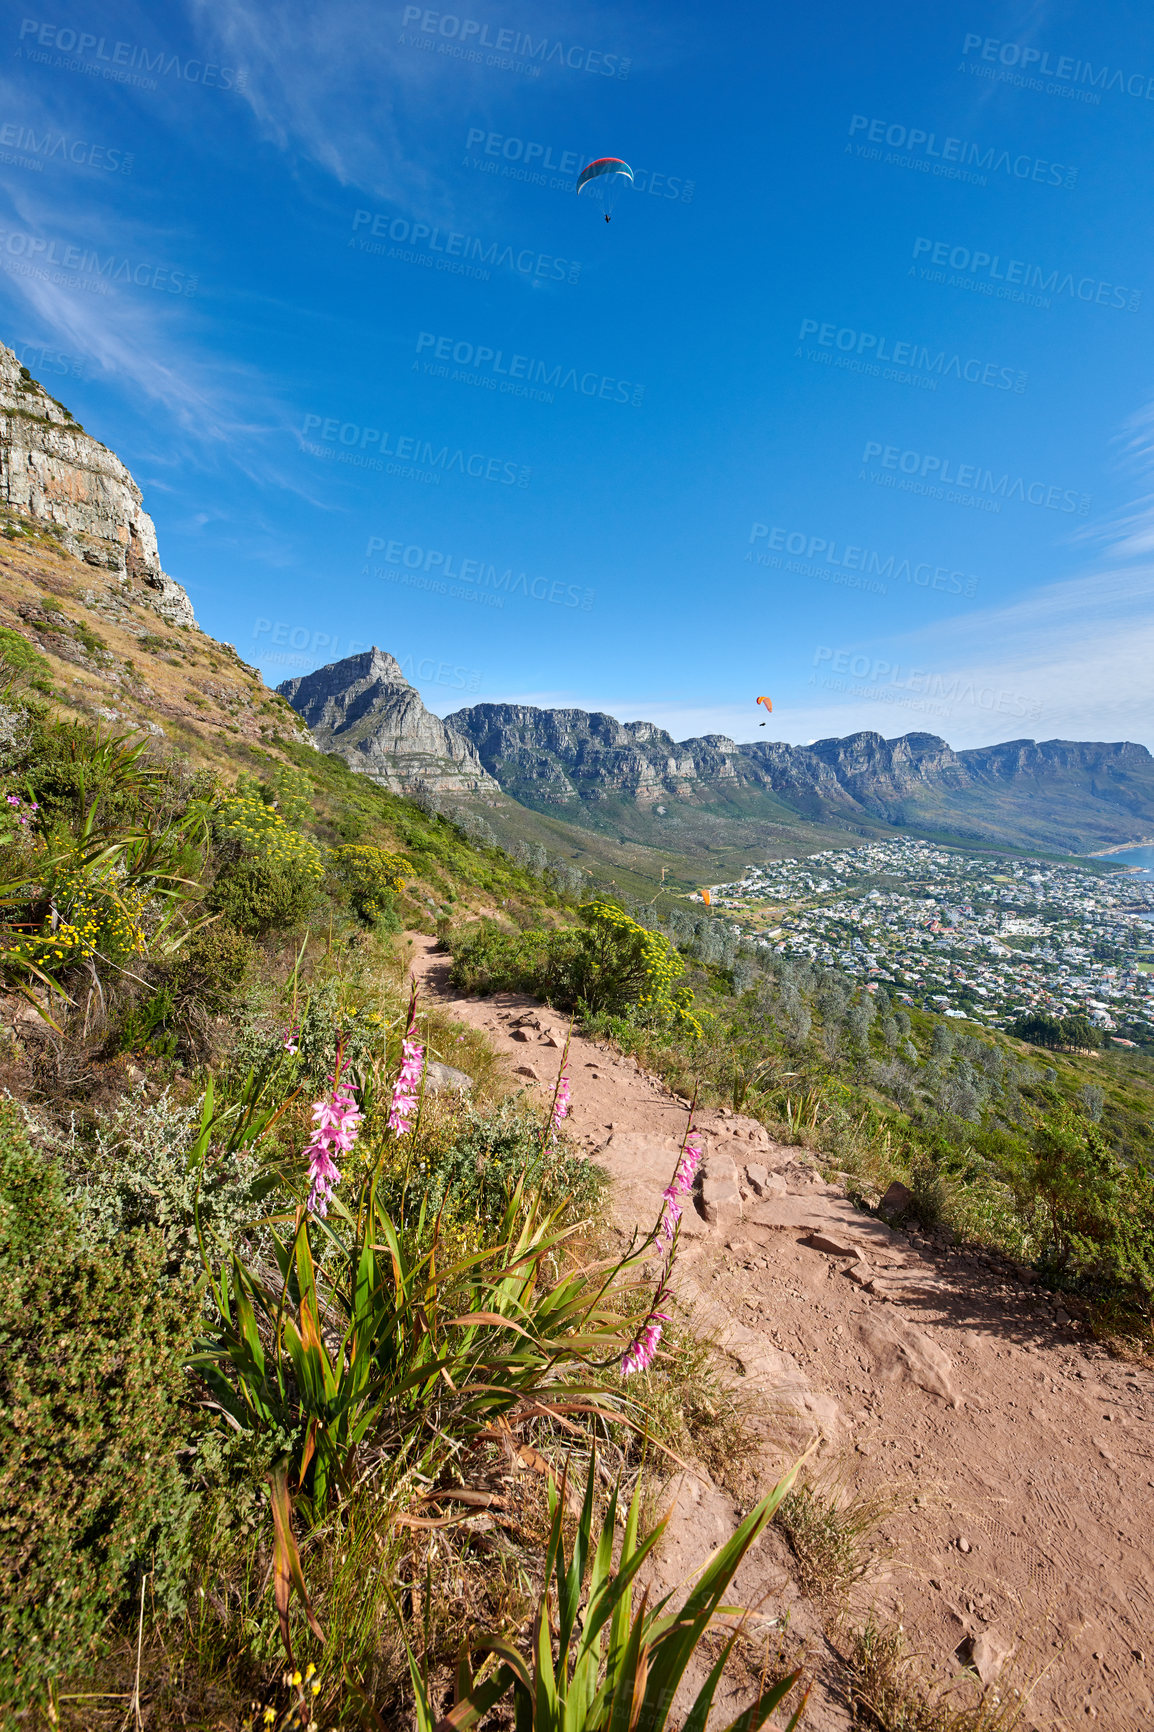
column 259, row 830
column 94, row 918
column 368, row 869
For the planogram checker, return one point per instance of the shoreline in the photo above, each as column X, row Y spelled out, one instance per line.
column 1122, row 848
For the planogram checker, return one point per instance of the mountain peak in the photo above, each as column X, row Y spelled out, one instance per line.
column 364, row 709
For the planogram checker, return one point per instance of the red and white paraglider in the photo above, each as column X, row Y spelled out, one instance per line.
column 603, row 179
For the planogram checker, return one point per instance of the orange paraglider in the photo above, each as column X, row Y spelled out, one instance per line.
column 706, row 897
column 768, row 702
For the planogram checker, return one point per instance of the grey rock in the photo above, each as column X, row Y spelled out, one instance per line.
column 989, row 1652
column 833, row 1244
column 57, row 476
column 898, row 1350
column 439, row 1077
column 364, row 709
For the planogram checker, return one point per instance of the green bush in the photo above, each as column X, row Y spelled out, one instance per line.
column 491, row 1151
column 270, row 875
column 20, row 660
column 609, row 965
column 91, row 1387
column 261, row 894
column 1093, row 1216
column 211, row 967
column 137, row 1174
column 369, row 879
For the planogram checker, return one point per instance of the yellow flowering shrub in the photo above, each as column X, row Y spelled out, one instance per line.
column 369, row 876
column 270, row 875
column 93, row 916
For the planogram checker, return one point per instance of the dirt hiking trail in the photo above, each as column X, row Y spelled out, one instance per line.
column 1018, row 1454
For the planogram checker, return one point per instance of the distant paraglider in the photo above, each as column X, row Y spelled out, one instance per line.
column 603, row 180
column 769, row 706
column 706, row 897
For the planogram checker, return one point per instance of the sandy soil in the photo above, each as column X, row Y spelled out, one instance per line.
column 1019, row 1454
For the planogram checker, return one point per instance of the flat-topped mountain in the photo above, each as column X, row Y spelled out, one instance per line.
column 1073, row 796
column 364, row 709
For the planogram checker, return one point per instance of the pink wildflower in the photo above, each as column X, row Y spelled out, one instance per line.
column 561, row 1100
column 336, row 1122
column 407, row 1086
column 642, row 1349
column 640, row 1353
column 679, row 1187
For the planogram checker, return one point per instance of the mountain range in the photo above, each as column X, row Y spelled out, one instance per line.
column 81, row 578
column 633, row 780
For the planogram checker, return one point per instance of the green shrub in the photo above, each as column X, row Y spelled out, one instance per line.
column 490, row 1153
column 270, row 876
column 369, row 878
column 609, row 965
column 91, row 1386
column 21, row 661
column 211, row 967
column 137, row 1174
column 1093, row 1216
column 261, row 894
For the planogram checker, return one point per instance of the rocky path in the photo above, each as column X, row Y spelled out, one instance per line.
column 1019, row 1456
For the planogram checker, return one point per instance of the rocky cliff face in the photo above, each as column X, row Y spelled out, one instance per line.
column 566, row 757
column 55, row 474
column 1054, row 793
column 365, row 709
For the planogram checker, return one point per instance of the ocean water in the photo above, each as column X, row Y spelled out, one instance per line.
column 1142, row 857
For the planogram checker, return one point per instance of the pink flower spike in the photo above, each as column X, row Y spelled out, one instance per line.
column 336, row 1122
column 406, row 1089
column 642, row 1351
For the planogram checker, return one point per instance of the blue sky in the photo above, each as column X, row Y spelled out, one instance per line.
column 849, row 404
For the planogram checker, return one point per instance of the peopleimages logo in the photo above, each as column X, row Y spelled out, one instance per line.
column 518, row 375
column 430, row 568
column 917, row 356
column 449, row 250
column 366, row 447
column 1067, row 67
column 49, row 146
column 992, row 269
column 82, row 267
column 954, row 158
column 932, row 474
column 472, row 33
column 952, row 688
column 83, row 51
column 821, row 552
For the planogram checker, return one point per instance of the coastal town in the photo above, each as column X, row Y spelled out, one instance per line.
column 967, row 935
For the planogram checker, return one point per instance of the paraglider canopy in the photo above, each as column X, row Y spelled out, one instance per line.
column 768, row 704
column 603, row 180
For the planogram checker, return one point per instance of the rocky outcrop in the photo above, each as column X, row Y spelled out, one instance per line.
column 57, row 476
column 1070, row 795
column 364, row 709
column 569, row 757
